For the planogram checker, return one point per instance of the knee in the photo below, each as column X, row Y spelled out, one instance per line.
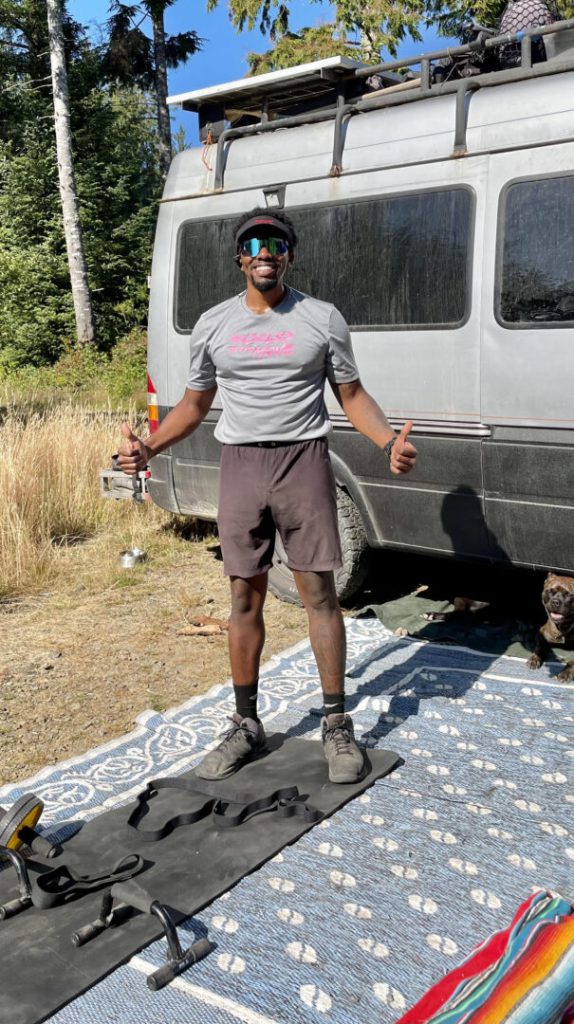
column 244, row 610
column 317, row 592
column 322, row 604
column 246, row 603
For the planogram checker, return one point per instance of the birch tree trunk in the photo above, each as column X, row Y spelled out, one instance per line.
column 70, row 210
column 163, row 122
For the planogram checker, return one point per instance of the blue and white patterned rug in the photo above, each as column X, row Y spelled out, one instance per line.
column 356, row 920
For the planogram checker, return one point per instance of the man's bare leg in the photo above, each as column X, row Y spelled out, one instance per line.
column 246, row 738
column 328, row 641
column 326, row 627
column 246, row 628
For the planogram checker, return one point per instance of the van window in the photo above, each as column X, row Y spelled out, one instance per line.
column 391, row 262
column 536, row 268
column 205, row 271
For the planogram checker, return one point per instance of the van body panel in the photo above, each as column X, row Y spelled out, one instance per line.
column 412, row 511
column 196, row 471
column 528, row 491
column 445, row 462
column 528, row 472
column 521, row 114
column 532, row 534
column 161, row 486
column 442, row 523
column 447, row 386
column 197, row 486
column 188, row 175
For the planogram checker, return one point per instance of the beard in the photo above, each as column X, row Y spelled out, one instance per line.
column 265, row 284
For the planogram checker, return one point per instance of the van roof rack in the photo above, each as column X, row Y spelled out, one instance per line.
column 338, row 88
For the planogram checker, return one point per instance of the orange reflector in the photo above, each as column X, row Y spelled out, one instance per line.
column 152, row 409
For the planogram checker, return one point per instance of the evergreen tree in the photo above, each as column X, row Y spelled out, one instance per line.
column 133, row 57
column 120, row 184
column 114, row 139
column 36, row 311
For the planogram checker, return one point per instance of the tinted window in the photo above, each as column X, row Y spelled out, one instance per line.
column 392, row 262
column 206, row 273
column 537, row 272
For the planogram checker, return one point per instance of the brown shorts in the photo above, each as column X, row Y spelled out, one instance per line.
column 285, row 486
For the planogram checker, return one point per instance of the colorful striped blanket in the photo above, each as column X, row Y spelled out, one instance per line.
column 522, row 975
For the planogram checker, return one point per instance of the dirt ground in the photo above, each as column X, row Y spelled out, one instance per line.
column 76, row 668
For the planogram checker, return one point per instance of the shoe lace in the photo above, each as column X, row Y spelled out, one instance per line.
column 341, row 737
column 234, row 731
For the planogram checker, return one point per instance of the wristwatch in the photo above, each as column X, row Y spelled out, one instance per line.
column 388, row 447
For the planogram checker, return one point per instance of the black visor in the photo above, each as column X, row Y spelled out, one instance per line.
column 263, row 226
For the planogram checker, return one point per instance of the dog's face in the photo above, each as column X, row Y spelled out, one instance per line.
column 558, row 601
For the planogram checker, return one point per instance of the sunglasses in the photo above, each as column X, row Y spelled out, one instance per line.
column 253, row 246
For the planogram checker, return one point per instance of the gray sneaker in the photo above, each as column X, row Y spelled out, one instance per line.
column 345, row 760
column 244, row 742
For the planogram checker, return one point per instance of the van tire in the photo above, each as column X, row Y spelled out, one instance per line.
column 354, row 546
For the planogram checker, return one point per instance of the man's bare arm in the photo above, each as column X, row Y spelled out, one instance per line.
column 369, row 419
column 180, row 422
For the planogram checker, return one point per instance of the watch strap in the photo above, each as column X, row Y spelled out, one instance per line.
column 388, row 447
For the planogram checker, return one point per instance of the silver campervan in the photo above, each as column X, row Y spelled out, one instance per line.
column 436, row 211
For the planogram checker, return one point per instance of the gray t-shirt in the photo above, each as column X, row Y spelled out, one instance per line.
column 271, row 368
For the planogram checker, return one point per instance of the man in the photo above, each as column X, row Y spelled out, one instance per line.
column 269, row 352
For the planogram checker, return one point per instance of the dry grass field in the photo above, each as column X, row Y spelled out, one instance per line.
column 49, row 463
column 86, row 644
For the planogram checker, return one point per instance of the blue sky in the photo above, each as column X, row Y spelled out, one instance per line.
column 223, row 57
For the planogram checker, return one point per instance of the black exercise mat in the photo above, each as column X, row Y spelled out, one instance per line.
column 41, row 970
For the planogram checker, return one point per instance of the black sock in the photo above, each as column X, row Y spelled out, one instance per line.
column 334, row 703
column 246, row 700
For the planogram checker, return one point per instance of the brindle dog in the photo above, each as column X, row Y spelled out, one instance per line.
column 558, row 601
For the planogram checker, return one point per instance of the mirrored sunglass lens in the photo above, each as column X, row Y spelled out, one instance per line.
column 251, row 247
column 274, row 246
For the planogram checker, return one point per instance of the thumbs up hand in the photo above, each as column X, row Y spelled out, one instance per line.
column 403, row 453
column 133, row 455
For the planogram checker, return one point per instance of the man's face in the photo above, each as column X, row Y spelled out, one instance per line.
column 264, row 260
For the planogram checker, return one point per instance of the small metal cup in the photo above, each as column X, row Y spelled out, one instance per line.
column 132, row 557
